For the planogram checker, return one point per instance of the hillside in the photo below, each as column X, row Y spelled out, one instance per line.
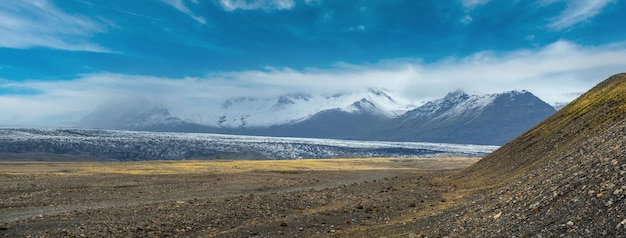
column 567, row 175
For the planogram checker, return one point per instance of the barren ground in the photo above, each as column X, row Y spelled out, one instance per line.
column 332, row 197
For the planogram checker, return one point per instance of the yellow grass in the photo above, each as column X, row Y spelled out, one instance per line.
column 232, row 166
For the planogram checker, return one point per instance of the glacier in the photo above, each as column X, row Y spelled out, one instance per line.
column 117, row 145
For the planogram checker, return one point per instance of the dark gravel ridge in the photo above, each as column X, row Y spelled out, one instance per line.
column 566, row 177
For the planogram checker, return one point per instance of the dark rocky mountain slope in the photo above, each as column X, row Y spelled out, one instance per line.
column 469, row 119
column 565, row 176
column 492, row 119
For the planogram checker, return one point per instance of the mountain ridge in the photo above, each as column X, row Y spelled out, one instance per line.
column 464, row 118
column 252, row 112
column 456, row 118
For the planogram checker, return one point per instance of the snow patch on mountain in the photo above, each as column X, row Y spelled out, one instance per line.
column 472, row 106
column 458, row 104
column 378, row 102
column 293, row 108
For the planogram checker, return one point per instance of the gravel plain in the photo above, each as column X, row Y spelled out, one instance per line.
column 219, row 198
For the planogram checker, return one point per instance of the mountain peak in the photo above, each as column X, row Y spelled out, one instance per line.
column 380, row 93
column 463, row 118
column 456, row 96
column 228, row 103
column 291, row 99
column 515, row 93
column 362, row 106
column 437, row 107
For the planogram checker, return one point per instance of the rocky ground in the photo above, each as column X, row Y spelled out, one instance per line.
column 566, row 177
column 84, row 200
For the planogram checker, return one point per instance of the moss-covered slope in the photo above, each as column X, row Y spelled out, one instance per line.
column 587, row 117
column 566, row 177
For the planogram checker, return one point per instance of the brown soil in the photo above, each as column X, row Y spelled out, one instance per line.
column 222, row 198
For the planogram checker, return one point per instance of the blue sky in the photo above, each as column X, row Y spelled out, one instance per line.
column 60, row 58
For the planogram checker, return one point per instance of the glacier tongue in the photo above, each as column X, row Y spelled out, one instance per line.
column 129, row 145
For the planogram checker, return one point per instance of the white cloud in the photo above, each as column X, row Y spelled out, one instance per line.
column 471, row 4
column 357, row 28
column 180, row 6
column 551, row 72
column 576, row 12
column 27, row 24
column 467, row 19
column 313, row 2
column 231, row 5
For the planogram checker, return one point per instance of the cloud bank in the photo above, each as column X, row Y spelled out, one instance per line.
column 553, row 73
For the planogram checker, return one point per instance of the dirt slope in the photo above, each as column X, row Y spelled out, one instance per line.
column 566, row 176
column 591, row 116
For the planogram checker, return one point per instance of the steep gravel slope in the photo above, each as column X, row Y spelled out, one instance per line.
column 564, row 177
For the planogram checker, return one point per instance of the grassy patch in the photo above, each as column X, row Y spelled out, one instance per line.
column 232, row 166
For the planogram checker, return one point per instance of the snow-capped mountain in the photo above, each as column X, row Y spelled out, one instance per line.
column 248, row 112
column 455, row 104
column 463, row 118
column 491, row 119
